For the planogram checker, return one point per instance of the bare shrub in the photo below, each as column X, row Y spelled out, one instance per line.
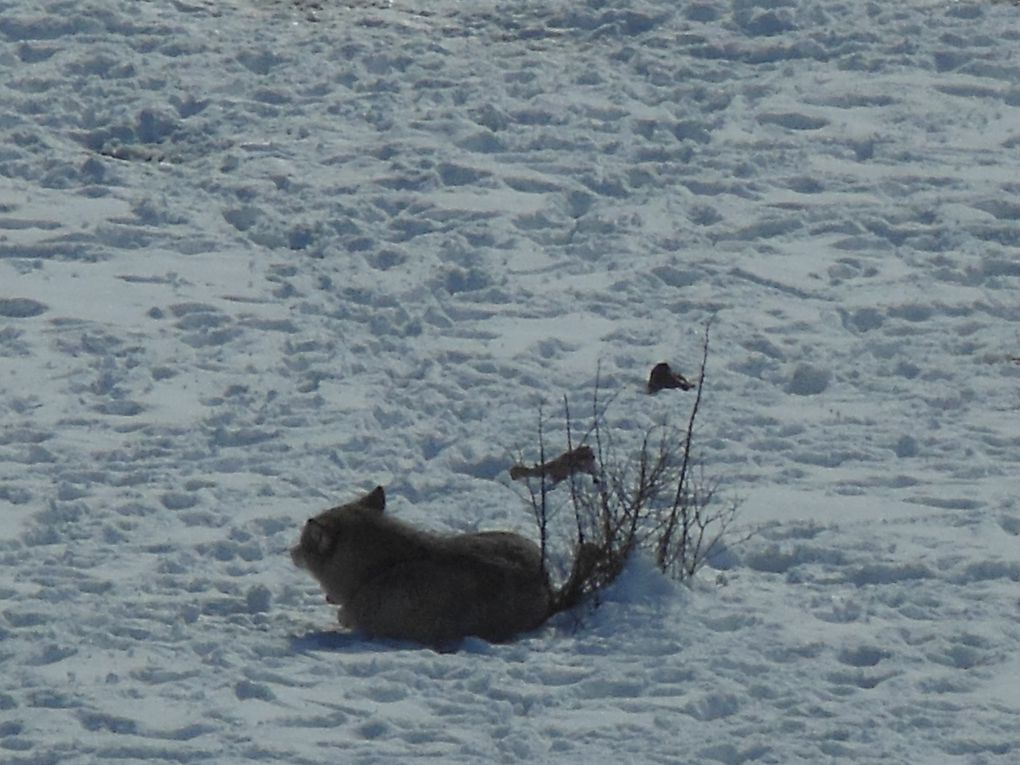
column 654, row 498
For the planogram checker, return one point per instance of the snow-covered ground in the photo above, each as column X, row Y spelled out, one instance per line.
column 256, row 257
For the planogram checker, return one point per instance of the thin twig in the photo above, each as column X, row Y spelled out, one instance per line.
column 677, row 509
column 573, row 477
column 543, row 520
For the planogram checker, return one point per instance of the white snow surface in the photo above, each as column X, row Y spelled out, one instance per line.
column 257, row 257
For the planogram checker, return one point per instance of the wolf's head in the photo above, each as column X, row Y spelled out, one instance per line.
column 322, row 534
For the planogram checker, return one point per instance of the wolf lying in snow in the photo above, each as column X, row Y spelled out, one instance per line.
column 392, row 580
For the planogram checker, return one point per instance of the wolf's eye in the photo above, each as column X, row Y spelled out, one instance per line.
column 318, row 538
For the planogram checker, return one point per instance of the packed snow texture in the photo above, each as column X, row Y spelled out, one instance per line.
column 257, row 257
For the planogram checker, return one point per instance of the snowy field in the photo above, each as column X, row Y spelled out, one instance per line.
column 258, row 256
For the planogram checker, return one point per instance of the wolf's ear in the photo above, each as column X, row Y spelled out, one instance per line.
column 375, row 499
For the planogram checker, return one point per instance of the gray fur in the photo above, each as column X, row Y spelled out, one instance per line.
column 392, row 580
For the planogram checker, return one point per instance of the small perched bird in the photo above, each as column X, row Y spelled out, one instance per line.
column 664, row 377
